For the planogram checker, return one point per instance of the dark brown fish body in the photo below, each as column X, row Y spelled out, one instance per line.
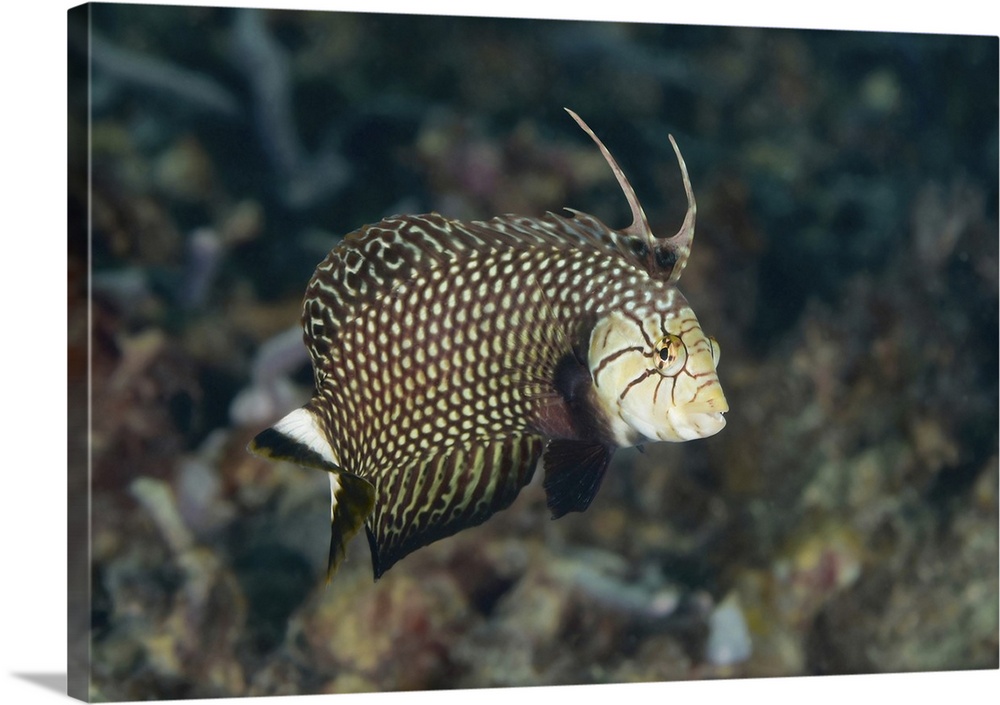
column 450, row 356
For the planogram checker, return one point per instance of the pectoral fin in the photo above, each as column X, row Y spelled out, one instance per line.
column 573, row 474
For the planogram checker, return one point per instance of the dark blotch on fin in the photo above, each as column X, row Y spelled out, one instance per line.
column 573, row 474
column 354, row 499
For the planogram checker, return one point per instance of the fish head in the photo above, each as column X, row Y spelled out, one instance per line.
column 654, row 370
column 655, row 376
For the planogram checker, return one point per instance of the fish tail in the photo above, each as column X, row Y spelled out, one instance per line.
column 299, row 437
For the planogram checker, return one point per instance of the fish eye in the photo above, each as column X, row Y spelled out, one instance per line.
column 716, row 351
column 669, row 354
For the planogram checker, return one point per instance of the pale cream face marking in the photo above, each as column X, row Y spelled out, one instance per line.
column 656, row 377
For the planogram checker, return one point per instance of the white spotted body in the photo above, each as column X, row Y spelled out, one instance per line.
column 450, row 356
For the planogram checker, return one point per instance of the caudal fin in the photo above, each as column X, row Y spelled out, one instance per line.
column 299, row 438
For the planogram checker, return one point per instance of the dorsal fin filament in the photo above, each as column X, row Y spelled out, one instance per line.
column 680, row 243
column 660, row 255
column 639, row 226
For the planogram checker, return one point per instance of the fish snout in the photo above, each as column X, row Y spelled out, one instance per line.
column 708, row 400
column 701, row 417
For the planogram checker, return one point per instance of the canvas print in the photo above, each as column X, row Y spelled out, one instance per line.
column 434, row 352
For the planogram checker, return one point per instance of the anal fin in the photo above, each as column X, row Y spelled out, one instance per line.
column 423, row 499
column 351, row 501
column 573, row 474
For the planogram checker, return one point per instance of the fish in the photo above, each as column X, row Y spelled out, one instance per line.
column 450, row 357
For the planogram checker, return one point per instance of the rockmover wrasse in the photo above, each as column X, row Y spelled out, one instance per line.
column 450, row 356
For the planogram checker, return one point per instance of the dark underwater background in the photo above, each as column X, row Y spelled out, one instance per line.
column 846, row 259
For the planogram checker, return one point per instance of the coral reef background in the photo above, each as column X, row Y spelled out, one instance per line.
column 846, row 259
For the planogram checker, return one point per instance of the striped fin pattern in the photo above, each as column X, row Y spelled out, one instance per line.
column 662, row 257
column 431, row 498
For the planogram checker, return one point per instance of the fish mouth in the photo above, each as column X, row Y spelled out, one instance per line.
column 709, row 407
column 699, row 419
column 701, row 425
column 709, row 401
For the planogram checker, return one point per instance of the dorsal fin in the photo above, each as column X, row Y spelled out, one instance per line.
column 640, row 226
column 680, row 243
column 662, row 257
column 376, row 259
